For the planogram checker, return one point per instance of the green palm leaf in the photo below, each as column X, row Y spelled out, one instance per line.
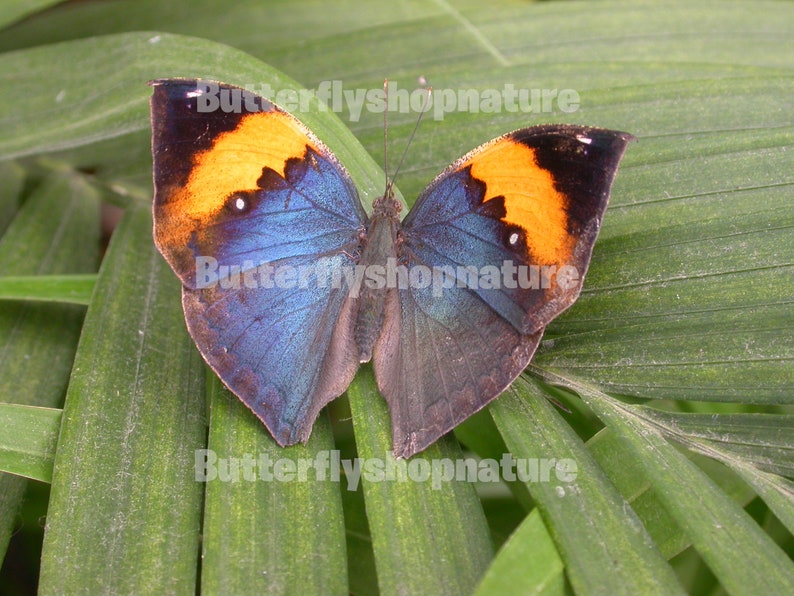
column 675, row 364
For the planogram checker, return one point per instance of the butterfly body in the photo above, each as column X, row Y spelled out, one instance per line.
column 288, row 285
column 380, row 248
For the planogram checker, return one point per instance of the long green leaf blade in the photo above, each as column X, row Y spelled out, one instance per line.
column 513, row 571
column 739, row 553
column 74, row 289
column 101, row 101
column 268, row 526
column 28, row 435
column 14, row 10
column 429, row 536
column 602, row 543
column 56, row 231
column 133, row 417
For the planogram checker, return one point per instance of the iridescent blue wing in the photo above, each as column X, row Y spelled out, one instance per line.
column 510, row 227
column 253, row 213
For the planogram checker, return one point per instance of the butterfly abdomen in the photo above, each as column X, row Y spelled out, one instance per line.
column 371, row 280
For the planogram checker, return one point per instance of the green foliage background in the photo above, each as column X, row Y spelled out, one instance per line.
column 675, row 364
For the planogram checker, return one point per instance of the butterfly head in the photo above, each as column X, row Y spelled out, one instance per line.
column 386, row 205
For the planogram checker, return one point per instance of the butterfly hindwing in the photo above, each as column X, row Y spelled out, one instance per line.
column 532, row 199
column 436, row 367
column 251, row 211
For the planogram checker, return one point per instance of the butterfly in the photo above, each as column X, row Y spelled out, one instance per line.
column 288, row 285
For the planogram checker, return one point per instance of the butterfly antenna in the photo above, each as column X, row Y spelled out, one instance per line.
column 385, row 132
column 413, row 134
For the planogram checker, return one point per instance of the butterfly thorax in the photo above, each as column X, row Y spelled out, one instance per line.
column 379, row 246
